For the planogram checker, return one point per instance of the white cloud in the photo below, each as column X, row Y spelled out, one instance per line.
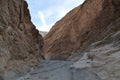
column 43, row 26
column 53, row 15
column 41, row 17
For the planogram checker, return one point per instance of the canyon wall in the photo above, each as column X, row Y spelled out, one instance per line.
column 80, row 27
column 20, row 42
column 89, row 36
column 103, row 56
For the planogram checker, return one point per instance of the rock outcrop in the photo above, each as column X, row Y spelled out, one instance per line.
column 103, row 56
column 20, row 42
column 80, row 27
column 106, row 53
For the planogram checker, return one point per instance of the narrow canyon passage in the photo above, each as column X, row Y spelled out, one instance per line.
column 83, row 45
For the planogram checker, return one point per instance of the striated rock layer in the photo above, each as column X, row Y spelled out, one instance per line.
column 80, row 27
column 20, row 42
column 103, row 56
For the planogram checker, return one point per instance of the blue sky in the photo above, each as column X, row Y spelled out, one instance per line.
column 45, row 13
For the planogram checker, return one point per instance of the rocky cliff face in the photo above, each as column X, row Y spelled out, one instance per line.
column 80, row 27
column 103, row 56
column 20, row 42
column 92, row 29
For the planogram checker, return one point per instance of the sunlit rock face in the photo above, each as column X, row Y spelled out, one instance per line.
column 20, row 42
column 80, row 27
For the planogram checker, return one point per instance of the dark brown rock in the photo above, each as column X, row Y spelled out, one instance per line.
column 80, row 27
column 1, row 78
column 20, row 42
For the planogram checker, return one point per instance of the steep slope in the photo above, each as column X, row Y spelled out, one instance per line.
column 80, row 27
column 20, row 43
column 103, row 56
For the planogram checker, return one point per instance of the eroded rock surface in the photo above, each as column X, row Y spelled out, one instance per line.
column 103, row 56
column 59, row 70
column 20, row 42
column 92, row 29
column 80, row 27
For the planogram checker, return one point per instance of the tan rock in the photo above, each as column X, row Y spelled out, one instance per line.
column 106, row 59
column 80, row 27
column 20, row 42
